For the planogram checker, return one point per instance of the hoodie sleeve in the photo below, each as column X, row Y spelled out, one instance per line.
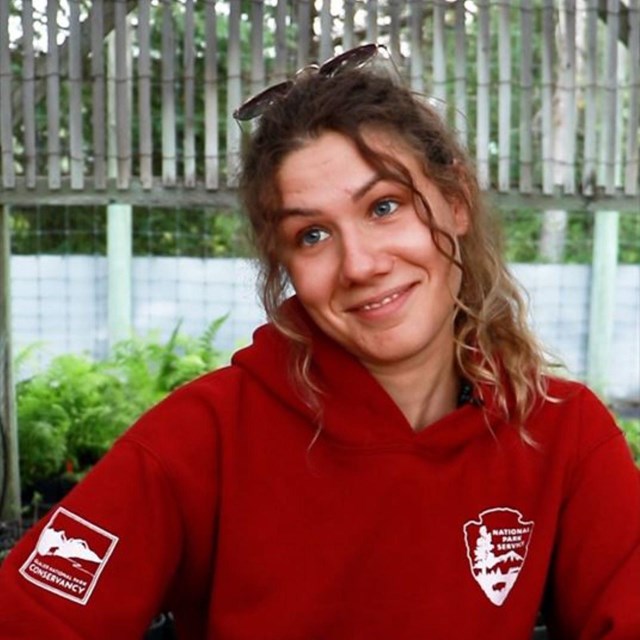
column 132, row 538
column 595, row 581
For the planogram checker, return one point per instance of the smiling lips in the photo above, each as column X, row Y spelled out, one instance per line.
column 378, row 303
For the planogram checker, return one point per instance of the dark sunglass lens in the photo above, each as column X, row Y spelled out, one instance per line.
column 349, row 59
column 257, row 105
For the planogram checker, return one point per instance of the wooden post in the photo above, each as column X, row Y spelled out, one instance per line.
column 11, row 505
column 119, row 224
column 119, row 234
column 603, row 287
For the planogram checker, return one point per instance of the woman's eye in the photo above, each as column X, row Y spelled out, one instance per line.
column 384, row 208
column 313, row 236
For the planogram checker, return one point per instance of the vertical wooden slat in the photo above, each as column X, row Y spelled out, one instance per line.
column 460, row 82
column 439, row 56
column 504, row 98
column 548, row 44
column 189, row 96
column 483, row 98
column 589, row 176
column 394, row 30
column 145, row 117
column 621, row 114
column 169, row 169
column 123, row 87
column 234, row 92
column 567, row 90
column 112, row 152
column 304, row 32
column 98, row 119
column 257, row 46
column 416, row 71
column 526, row 106
column 610, row 104
column 75, row 98
column 211, row 151
column 28, row 95
column 6, row 112
column 326, row 21
column 633, row 123
column 280, row 70
column 53, row 97
column 348, row 39
column 372, row 21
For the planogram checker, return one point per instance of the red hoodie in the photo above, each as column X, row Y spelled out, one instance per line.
column 217, row 506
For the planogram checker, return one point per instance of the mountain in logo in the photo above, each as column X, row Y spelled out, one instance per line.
column 490, row 561
column 56, row 543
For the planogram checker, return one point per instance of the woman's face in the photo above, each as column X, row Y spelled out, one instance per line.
column 362, row 262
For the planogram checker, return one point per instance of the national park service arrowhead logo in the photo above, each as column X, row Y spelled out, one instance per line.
column 497, row 544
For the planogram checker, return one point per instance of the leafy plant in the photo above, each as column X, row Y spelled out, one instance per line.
column 631, row 428
column 70, row 414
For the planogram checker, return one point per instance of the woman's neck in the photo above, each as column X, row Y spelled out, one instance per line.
column 424, row 394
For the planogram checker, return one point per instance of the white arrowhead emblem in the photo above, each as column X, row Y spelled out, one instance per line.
column 497, row 544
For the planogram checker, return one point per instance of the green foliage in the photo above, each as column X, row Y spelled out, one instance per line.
column 65, row 414
column 70, row 414
column 157, row 232
column 214, row 234
column 188, row 232
column 631, row 428
column 522, row 230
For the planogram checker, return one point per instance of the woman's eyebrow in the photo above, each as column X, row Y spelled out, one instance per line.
column 366, row 187
column 289, row 212
column 358, row 193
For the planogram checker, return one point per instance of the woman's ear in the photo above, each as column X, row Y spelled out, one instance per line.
column 461, row 217
column 460, row 204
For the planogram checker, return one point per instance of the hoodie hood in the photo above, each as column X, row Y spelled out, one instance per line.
column 356, row 410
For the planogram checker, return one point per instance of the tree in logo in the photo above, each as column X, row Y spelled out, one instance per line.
column 483, row 553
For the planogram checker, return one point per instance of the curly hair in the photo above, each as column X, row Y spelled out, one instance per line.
column 493, row 344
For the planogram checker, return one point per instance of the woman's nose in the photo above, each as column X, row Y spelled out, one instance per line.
column 363, row 257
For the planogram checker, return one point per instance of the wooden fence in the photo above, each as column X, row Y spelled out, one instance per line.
column 131, row 100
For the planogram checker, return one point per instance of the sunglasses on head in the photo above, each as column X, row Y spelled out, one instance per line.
column 351, row 59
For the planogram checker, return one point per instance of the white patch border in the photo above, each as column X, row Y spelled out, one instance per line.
column 85, row 598
column 478, row 521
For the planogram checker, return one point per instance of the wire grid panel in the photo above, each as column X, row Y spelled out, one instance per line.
column 559, row 309
column 626, row 332
column 194, row 292
column 61, row 302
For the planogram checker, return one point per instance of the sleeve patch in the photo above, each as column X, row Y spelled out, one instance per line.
column 69, row 557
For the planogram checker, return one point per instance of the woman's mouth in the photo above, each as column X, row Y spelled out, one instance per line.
column 385, row 300
column 381, row 303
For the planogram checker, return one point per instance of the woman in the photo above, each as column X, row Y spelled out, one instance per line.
column 389, row 459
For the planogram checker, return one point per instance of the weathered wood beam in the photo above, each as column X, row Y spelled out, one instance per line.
column 154, row 194
column 226, row 199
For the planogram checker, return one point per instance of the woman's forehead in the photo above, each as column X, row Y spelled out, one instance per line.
column 389, row 149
